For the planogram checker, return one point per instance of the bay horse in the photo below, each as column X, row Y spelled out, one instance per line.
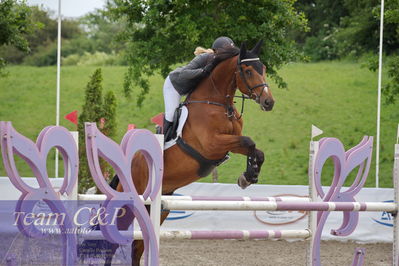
column 213, row 129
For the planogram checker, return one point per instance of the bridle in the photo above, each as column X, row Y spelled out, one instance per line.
column 243, row 78
column 229, row 108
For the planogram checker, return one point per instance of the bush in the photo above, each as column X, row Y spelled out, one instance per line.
column 321, row 47
column 92, row 59
column 45, row 56
column 71, row 60
column 96, row 59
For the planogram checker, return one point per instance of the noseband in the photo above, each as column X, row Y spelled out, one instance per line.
column 243, row 78
column 229, row 108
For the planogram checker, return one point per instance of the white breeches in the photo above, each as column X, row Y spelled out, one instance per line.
column 171, row 98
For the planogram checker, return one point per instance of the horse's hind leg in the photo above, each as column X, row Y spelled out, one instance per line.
column 137, row 252
column 123, row 224
column 138, row 245
column 110, row 254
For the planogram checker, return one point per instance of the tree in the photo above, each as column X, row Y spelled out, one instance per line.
column 91, row 112
column 14, row 24
column 160, row 33
column 44, row 39
column 324, row 16
column 359, row 30
column 109, row 127
column 102, row 32
column 345, row 28
column 390, row 48
column 103, row 113
column 391, row 90
column 109, row 114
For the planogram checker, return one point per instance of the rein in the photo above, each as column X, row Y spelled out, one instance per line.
column 243, row 97
column 229, row 108
column 207, row 102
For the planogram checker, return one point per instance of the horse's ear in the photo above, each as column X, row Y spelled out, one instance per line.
column 243, row 50
column 258, row 46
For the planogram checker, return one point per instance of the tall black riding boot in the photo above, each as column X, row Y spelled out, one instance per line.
column 167, row 130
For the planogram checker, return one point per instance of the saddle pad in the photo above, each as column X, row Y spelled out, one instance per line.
column 182, row 121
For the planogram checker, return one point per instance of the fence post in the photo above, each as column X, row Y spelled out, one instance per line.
column 312, row 220
column 215, row 176
column 155, row 211
column 395, row 176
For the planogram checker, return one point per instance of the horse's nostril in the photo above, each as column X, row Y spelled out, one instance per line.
column 268, row 104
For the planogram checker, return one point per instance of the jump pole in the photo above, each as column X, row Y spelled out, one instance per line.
column 213, row 234
column 101, row 197
column 278, row 206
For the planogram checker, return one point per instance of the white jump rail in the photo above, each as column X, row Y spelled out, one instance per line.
column 99, row 197
column 276, row 206
column 221, row 234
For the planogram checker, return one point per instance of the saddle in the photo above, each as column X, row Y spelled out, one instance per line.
column 179, row 120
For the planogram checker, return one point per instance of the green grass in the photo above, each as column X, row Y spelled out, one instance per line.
column 338, row 97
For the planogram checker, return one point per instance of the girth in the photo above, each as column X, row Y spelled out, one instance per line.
column 206, row 165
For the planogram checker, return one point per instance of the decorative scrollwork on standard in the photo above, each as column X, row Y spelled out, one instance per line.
column 344, row 164
column 35, row 155
column 120, row 158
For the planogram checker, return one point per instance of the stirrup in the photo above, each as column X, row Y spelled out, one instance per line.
column 167, row 130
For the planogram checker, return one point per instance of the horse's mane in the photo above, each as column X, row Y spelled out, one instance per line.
column 223, row 54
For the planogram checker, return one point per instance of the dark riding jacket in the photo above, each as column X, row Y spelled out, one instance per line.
column 186, row 78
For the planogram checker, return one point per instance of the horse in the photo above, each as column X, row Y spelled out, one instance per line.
column 213, row 129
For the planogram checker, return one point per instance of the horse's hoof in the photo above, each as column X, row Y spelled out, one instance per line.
column 242, row 182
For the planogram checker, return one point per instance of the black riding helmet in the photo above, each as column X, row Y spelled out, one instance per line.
column 222, row 42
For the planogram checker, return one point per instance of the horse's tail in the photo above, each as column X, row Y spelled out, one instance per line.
column 201, row 50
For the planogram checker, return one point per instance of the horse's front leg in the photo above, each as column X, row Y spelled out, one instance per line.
column 246, row 146
column 255, row 159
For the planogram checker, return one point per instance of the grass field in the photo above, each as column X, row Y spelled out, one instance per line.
column 338, row 97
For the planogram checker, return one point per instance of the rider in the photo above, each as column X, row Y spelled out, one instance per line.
column 184, row 80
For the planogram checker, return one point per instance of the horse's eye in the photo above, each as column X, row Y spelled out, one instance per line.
column 248, row 72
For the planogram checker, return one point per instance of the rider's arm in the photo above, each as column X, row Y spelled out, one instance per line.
column 194, row 69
